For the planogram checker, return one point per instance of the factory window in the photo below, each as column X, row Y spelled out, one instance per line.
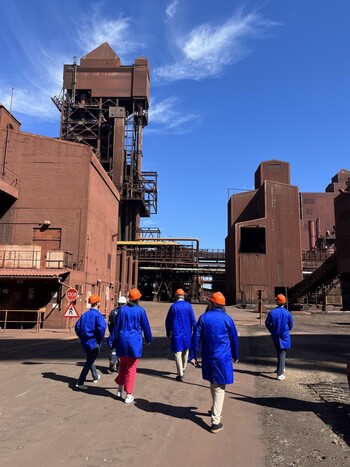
column 253, row 240
column 109, row 261
column 309, row 211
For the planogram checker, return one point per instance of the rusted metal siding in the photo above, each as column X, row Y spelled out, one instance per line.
column 273, row 170
column 339, row 181
column 319, row 208
column 244, row 206
column 342, row 225
column 8, row 119
column 141, row 82
column 283, row 238
column 124, row 81
column 64, row 183
column 274, row 208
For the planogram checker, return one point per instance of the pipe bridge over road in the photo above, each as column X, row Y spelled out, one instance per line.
column 166, row 264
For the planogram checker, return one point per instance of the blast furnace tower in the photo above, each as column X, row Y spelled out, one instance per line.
column 104, row 104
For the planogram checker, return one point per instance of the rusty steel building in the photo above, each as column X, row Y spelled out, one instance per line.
column 342, row 226
column 65, row 204
column 263, row 249
column 278, row 238
column 58, row 222
column 104, row 105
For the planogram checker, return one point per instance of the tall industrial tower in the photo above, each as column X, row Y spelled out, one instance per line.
column 104, row 104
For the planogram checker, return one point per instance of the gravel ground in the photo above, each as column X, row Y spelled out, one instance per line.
column 305, row 417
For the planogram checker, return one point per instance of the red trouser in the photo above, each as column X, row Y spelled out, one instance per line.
column 127, row 373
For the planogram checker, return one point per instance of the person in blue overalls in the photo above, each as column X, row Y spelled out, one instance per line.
column 113, row 357
column 279, row 322
column 217, row 333
column 90, row 328
column 179, row 324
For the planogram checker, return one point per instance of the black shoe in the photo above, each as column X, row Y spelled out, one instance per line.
column 179, row 378
column 215, row 428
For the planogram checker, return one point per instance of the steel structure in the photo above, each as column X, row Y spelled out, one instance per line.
column 314, row 288
column 104, row 105
column 166, row 264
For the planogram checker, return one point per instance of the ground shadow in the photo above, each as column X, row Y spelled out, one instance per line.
column 156, row 373
column 164, row 374
column 56, row 363
column 262, row 374
column 176, row 411
column 334, row 414
column 71, row 383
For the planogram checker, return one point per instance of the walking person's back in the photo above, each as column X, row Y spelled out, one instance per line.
column 126, row 337
column 179, row 325
column 279, row 322
column 90, row 328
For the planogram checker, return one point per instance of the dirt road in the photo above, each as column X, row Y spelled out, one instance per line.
column 46, row 421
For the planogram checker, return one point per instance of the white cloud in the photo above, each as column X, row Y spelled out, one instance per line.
column 42, row 77
column 94, row 30
column 207, row 49
column 34, row 87
column 163, row 115
column 171, row 9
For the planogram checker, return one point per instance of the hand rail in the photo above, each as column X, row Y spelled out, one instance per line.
column 40, row 318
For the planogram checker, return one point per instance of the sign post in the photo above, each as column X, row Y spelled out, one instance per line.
column 71, row 311
column 72, row 294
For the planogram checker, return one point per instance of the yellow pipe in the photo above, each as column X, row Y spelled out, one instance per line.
column 145, row 243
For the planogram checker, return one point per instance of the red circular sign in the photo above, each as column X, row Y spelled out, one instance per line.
column 72, row 294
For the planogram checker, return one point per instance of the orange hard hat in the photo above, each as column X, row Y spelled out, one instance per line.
column 218, row 298
column 180, row 292
column 134, row 294
column 94, row 298
column 280, row 298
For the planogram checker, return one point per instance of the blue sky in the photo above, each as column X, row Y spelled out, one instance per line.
column 232, row 84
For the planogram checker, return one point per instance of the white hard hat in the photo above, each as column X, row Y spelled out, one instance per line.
column 122, row 299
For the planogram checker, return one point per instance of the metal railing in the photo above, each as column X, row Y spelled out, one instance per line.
column 37, row 322
column 32, row 258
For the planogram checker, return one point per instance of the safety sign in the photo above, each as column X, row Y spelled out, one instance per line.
column 71, row 312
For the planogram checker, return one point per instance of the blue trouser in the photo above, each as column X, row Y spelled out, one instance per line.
column 113, row 360
column 281, row 360
column 91, row 355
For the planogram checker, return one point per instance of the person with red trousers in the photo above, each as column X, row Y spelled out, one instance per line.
column 126, row 337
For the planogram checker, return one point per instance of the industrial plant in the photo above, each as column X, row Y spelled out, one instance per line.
column 71, row 210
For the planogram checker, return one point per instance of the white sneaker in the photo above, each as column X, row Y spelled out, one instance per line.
column 119, row 394
column 129, row 399
column 83, row 387
column 98, row 378
column 281, row 377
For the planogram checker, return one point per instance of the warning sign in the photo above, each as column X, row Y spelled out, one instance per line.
column 71, row 312
column 72, row 294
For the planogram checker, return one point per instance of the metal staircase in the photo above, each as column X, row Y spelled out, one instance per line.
column 315, row 287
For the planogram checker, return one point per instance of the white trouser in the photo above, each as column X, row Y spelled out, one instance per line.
column 218, row 395
column 181, row 361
